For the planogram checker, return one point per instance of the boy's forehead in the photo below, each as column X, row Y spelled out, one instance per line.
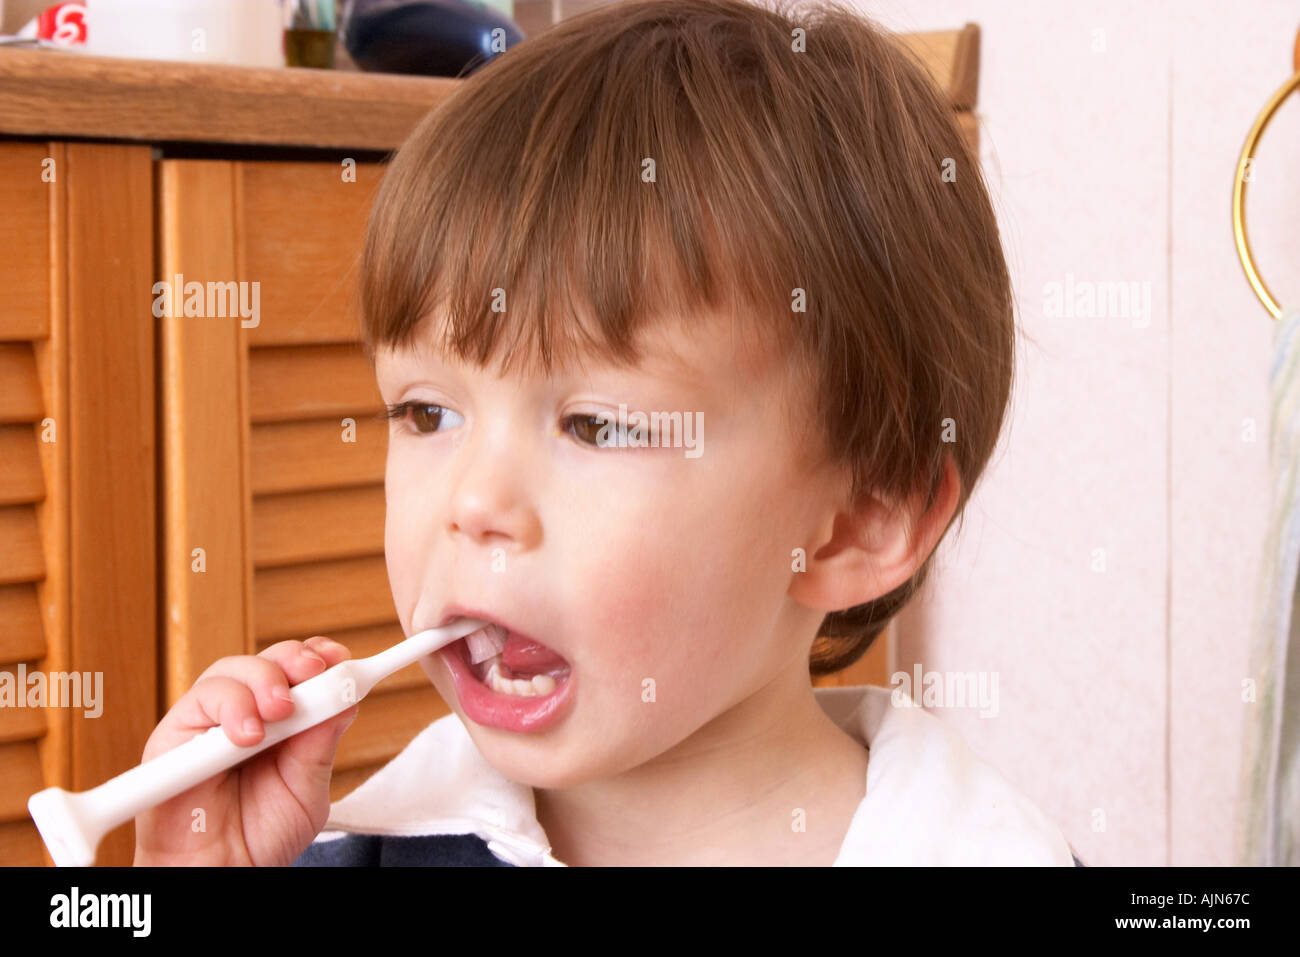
column 698, row 349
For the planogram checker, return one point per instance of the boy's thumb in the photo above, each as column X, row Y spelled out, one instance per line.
column 344, row 720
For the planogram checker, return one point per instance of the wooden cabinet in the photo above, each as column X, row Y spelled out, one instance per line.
column 289, row 542
column 177, row 488
column 77, row 401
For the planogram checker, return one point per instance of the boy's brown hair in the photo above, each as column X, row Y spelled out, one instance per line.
column 777, row 167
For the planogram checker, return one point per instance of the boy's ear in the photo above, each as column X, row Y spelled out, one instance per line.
column 870, row 550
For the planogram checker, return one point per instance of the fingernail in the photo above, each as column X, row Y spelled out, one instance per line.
column 282, row 693
column 308, row 653
column 251, row 726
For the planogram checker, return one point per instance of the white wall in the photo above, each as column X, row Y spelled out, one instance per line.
column 1120, row 689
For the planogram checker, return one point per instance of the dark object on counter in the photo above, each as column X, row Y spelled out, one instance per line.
column 427, row 37
column 311, row 48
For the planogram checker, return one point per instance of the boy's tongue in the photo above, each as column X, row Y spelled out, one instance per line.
column 526, row 657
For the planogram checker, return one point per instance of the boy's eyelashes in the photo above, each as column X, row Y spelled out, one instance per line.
column 425, row 418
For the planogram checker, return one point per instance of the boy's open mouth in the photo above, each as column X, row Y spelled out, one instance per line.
column 520, row 666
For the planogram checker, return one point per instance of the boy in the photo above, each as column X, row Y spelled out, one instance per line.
column 760, row 231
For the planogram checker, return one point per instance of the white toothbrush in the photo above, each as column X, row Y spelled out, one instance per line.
column 72, row 824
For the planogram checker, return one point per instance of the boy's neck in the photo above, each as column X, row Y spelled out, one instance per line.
column 734, row 793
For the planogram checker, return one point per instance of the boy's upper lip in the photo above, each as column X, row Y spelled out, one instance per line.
column 462, row 611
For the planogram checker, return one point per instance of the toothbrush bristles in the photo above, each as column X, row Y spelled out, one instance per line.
column 485, row 643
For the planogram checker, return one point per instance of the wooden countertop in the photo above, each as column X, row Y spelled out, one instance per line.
column 60, row 93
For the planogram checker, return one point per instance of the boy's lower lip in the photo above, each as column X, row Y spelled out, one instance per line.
column 510, row 713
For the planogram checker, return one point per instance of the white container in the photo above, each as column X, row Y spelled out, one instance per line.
column 241, row 32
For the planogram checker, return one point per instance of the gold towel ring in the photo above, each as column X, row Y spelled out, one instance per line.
column 1239, row 189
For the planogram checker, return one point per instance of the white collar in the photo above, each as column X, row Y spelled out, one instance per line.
column 930, row 800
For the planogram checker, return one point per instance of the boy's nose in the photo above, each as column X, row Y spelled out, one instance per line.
column 490, row 507
column 492, row 530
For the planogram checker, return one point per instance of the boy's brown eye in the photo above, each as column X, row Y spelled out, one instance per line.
column 586, row 428
column 426, row 418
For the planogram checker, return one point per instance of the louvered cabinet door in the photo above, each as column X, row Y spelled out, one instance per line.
column 24, row 583
column 78, row 677
column 273, row 439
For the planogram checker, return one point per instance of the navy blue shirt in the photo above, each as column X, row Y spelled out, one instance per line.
column 381, row 850
column 434, row 850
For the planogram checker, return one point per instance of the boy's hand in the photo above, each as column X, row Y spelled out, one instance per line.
column 267, row 810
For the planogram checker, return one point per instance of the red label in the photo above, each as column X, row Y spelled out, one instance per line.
column 63, row 23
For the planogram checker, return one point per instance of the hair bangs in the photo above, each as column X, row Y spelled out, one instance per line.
column 535, row 234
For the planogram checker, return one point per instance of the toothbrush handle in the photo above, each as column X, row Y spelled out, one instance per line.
column 159, row 779
column 71, row 824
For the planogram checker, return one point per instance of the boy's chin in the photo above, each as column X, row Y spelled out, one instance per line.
column 527, row 759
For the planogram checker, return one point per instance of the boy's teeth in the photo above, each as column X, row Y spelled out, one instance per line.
column 485, row 643
column 521, row 687
column 543, row 684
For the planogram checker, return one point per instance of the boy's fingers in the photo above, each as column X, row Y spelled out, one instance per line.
column 245, row 688
column 301, row 660
column 216, row 700
column 267, row 680
column 329, row 649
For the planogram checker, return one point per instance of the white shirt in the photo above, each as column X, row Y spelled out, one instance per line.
column 930, row 800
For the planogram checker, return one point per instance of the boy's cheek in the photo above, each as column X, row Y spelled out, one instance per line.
column 405, row 572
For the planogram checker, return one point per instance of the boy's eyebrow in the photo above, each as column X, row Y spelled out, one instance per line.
column 668, row 352
column 662, row 364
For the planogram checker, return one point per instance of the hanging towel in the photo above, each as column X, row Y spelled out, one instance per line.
column 1269, row 822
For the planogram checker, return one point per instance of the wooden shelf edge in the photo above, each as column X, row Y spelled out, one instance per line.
column 63, row 93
